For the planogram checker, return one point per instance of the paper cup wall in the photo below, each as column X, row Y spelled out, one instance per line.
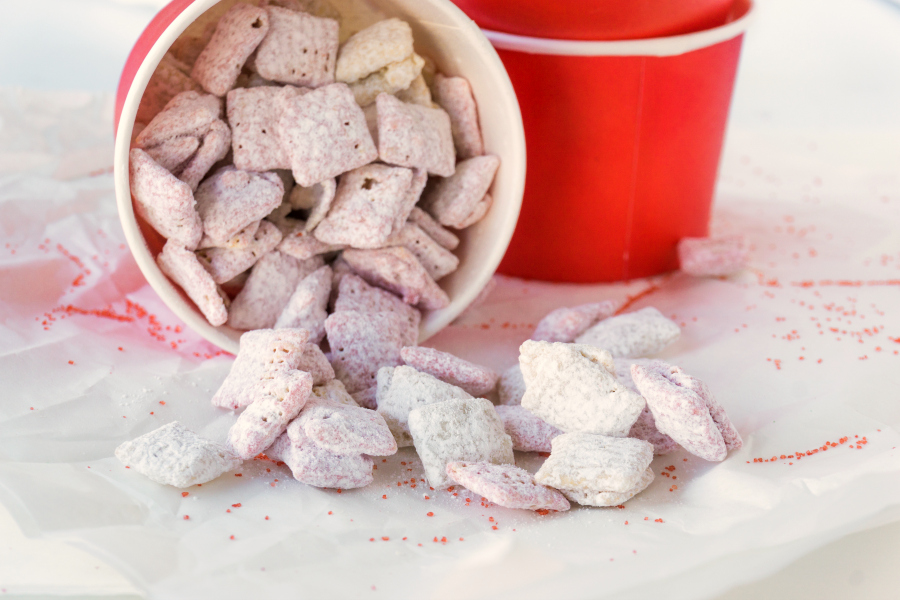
column 443, row 33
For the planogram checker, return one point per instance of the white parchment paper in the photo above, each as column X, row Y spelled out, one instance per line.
column 802, row 350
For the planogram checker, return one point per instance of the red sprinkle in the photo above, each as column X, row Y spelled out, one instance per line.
column 431, row 514
column 184, row 494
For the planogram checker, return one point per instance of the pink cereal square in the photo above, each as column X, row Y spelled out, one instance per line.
column 175, row 152
column 457, row 201
column 506, row 485
column 300, row 243
column 214, row 147
column 307, row 306
column 362, row 343
column 299, row 49
column 253, row 114
column 182, row 267
column 187, row 114
column 529, row 433
column 231, row 199
column 437, row 260
column 165, row 202
column 455, row 96
column 343, row 429
column 313, row 465
column 474, row 379
column 224, row 264
column 566, row 324
column 712, row 257
column 410, row 135
column 354, row 294
column 237, row 35
column 397, row 270
column 325, row 134
column 313, row 361
column 435, row 230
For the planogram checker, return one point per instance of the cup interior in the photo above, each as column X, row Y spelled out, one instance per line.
column 458, row 48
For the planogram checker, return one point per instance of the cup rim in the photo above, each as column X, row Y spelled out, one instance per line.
column 660, row 46
column 226, row 337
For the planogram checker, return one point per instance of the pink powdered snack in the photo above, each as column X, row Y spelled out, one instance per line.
column 361, row 344
column 459, row 200
column 299, row 49
column 474, row 379
column 645, row 426
column 232, row 199
column 357, row 295
column 397, row 270
column 307, row 306
column 712, row 257
column 528, row 432
column 435, row 231
column 506, row 485
column 455, row 96
column 224, row 264
column 313, row 465
column 566, row 324
column 313, row 361
column 437, row 260
column 189, row 114
column 182, row 267
column 253, row 114
column 271, row 284
column 683, row 408
column 415, row 136
column 342, row 429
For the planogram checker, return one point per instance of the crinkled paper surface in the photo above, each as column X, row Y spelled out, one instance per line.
column 801, row 349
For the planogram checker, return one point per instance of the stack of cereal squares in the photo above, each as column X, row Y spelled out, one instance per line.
column 276, row 160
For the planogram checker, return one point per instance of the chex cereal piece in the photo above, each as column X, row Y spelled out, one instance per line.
column 401, row 389
column 224, row 264
column 374, row 48
column 389, row 80
column 481, row 209
column 231, row 199
column 645, row 426
column 167, row 81
column 583, row 464
column 182, row 267
column 173, row 455
column 313, row 361
column 357, row 295
column 334, row 391
column 367, row 398
column 242, row 239
column 419, row 93
column 458, row 430
column 589, row 497
column 528, row 432
column 454, row 94
column 362, row 343
column 299, row 49
column 410, row 199
column 307, row 306
column 506, row 485
column 684, row 409
column 437, row 260
column 365, row 206
column 280, row 400
column 712, row 257
column 237, row 35
column 474, row 379
column 435, row 230
column 300, row 242
column 271, row 283
column 397, row 270
column 454, row 201
column 187, row 114
column 566, row 324
column 263, row 355
column 574, row 387
column 313, row 465
column 317, row 199
column 511, row 386
column 632, row 335
column 214, row 148
column 173, row 153
column 253, row 115
column 165, row 202
column 410, row 135
column 325, row 134
column 343, row 429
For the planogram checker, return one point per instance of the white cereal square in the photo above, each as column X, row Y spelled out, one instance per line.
column 183, row 267
column 372, row 49
column 237, row 35
column 455, row 96
column 632, row 335
column 397, row 270
column 393, row 78
column 224, row 264
column 418, row 92
column 231, row 199
column 590, row 497
column 299, row 49
column 410, row 135
column 457, row 201
column 307, row 306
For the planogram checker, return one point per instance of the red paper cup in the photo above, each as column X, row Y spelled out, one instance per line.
column 624, row 140
column 595, row 19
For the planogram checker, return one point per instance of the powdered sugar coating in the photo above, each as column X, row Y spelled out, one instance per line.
column 397, row 270
column 455, row 96
column 271, row 283
column 437, row 260
column 263, row 355
column 645, row 426
column 410, row 135
column 511, row 386
column 237, row 35
column 313, row 361
column 366, row 204
column 402, row 389
column 712, row 257
column 307, row 306
column 357, row 295
column 361, row 344
column 632, row 335
column 467, row 430
column 325, row 134
column 453, row 200
column 343, row 429
column 506, row 485
column 316, row 466
column 435, row 230
column 388, row 80
column 173, row 153
column 182, row 267
column 267, row 417
column 224, row 264
column 588, row 497
column 187, row 114
column 528, row 432
column 595, row 463
column 173, row 455
column 166, row 203
column 373, row 48
column 566, row 324
column 574, row 387
column 679, row 410
column 253, row 114
column 214, row 148
column 231, row 199
column 474, row 379
column 299, row 49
